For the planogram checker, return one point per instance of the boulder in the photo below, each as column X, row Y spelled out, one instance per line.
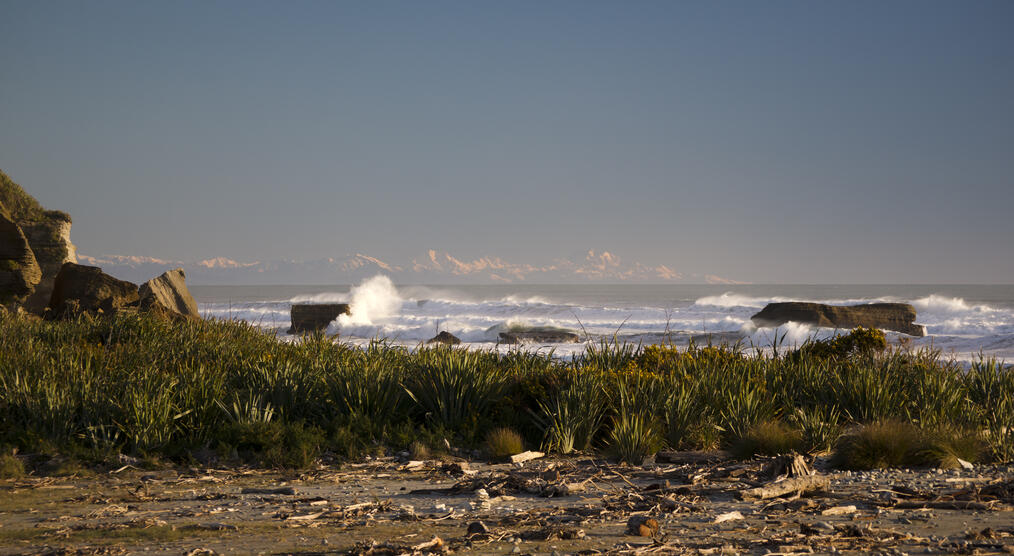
column 80, row 288
column 168, row 294
column 444, row 337
column 315, row 316
column 899, row 317
column 540, row 335
column 19, row 271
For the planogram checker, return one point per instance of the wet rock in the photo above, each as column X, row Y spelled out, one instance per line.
column 444, row 337
column 314, row 317
column 899, row 317
column 540, row 335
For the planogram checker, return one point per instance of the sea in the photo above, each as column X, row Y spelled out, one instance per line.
column 964, row 322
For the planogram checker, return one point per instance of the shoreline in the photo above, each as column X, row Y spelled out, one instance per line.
column 395, row 505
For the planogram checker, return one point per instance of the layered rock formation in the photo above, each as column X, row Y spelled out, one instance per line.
column 47, row 233
column 314, row 317
column 899, row 317
column 540, row 335
column 19, row 271
column 49, row 238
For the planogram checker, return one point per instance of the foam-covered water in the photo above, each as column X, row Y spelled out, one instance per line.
column 960, row 320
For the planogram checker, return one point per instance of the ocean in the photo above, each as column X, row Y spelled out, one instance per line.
column 963, row 321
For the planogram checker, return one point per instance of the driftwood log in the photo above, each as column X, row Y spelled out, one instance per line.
column 792, row 485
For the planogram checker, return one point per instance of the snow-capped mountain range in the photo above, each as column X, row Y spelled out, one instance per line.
column 434, row 267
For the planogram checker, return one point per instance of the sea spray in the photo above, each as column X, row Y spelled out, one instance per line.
column 960, row 320
column 372, row 302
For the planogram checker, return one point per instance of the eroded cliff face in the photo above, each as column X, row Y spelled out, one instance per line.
column 50, row 241
column 19, row 271
column 27, row 276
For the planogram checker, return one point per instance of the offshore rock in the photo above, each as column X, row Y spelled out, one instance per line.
column 86, row 289
column 314, row 317
column 444, row 337
column 168, row 294
column 19, row 271
column 540, row 335
column 899, row 317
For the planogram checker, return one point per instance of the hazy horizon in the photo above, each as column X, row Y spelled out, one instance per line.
column 781, row 142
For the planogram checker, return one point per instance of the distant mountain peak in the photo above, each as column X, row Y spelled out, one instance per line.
column 435, row 267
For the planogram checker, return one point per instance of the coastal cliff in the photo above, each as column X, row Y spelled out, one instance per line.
column 47, row 236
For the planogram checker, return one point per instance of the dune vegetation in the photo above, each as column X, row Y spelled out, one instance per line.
column 91, row 389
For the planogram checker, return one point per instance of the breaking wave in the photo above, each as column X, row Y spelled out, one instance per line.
column 414, row 314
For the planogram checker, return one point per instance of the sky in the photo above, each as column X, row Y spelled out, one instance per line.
column 791, row 142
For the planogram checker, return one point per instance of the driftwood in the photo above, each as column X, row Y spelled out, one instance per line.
column 728, row 516
column 839, row 510
column 788, row 486
column 790, row 465
column 946, row 505
column 288, row 491
column 526, row 456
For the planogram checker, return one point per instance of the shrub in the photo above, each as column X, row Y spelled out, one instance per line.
column 633, row 438
column 820, row 427
column 869, row 393
column 860, row 341
column 688, row 424
column 503, row 443
column 767, row 438
column 742, row 409
column 991, row 391
column 573, row 417
column 368, row 383
column 248, row 409
column 454, row 387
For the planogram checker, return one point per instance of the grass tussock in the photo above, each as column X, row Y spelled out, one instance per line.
column 503, row 443
column 91, row 389
column 768, row 438
column 879, row 445
column 11, row 467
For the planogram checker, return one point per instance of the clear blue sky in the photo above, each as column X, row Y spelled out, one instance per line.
column 853, row 141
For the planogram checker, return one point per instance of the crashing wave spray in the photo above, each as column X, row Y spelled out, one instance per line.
column 373, row 300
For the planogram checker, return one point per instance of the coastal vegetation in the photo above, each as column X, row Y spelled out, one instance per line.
column 93, row 389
